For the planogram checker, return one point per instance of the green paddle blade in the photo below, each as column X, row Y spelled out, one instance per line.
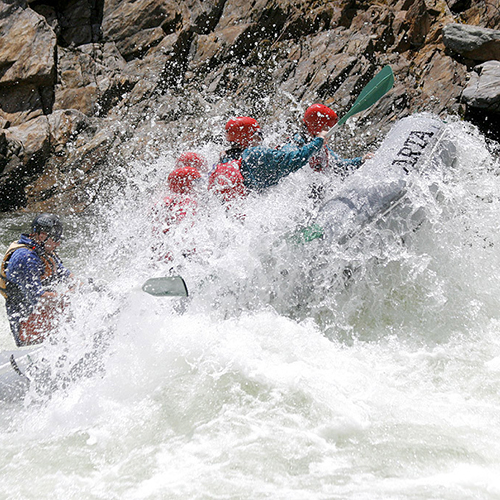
column 378, row 86
column 305, row 234
column 166, row 286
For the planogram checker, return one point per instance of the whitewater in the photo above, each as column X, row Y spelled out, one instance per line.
column 292, row 371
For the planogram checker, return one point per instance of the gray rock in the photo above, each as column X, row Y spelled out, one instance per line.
column 133, row 77
column 483, row 91
column 27, row 64
column 28, row 51
column 473, row 42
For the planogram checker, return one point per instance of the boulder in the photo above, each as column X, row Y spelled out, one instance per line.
column 34, row 136
column 472, row 42
column 125, row 19
column 25, row 151
column 70, row 184
column 28, row 49
column 483, row 90
column 135, row 78
column 64, row 126
column 138, row 44
column 21, row 103
column 88, row 75
column 27, row 64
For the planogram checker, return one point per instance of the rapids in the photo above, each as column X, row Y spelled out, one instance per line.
column 278, row 377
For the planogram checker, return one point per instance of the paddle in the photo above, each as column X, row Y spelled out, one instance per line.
column 166, row 286
column 378, row 86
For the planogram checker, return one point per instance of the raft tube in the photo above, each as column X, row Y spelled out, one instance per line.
column 416, row 144
column 14, row 368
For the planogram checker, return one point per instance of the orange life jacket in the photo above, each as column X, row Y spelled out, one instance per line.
column 171, row 211
column 41, row 322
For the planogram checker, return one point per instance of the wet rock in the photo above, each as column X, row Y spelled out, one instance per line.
column 27, row 64
column 137, row 45
column 208, row 50
column 34, row 136
column 472, row 42
column 88, row 76
column 144, row 14
column 64, row 126
column 26, row 149
column 133, row 78
column 70, row 184
column 483, row 91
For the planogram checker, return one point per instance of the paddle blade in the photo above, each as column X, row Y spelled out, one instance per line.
column 377, row 87
column 166, row 286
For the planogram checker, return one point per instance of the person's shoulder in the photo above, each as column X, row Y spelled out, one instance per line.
column 22, row 256
column 255, row 152
column 24, row 239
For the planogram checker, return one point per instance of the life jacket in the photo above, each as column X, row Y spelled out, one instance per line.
column 40, row 323
column 167, row 213
column 49, row 263
column 171, row 211
column 42, row 320
column 227, row 182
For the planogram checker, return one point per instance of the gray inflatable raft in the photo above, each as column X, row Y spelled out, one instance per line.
column 379, row 188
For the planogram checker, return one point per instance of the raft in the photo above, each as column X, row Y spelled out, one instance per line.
column 14, row 372
column 377, row 192
column 379, row 189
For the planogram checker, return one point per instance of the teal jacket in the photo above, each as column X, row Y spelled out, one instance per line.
column 339, row 166
column 263, row 167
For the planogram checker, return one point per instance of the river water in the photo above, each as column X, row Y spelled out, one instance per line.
column 278, row 377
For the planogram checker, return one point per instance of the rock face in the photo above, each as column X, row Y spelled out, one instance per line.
column 483, row 90
column 89, row 85
column 472, row 42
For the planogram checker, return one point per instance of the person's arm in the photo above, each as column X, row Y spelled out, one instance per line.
column 264, row 167
column 343, row 166
column 61, row 271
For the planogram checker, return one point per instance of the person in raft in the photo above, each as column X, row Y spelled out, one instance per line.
column 249, row 166
column 29, row 272
column 180, row 202
column 318, row 118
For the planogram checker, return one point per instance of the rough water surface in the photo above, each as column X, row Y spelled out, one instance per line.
column 278, row 377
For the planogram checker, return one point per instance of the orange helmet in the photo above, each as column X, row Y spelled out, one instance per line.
column 181, row 180
column 318, row 116
column 241, row 130
column 191, row 160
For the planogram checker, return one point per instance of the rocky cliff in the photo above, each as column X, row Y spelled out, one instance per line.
column 90, row 85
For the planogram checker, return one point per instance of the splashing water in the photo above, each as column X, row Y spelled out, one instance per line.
column 280, row 376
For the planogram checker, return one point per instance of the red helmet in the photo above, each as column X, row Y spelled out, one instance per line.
column 191, row 160
column 181, row 180
column 318, row 116
column 241, row 130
